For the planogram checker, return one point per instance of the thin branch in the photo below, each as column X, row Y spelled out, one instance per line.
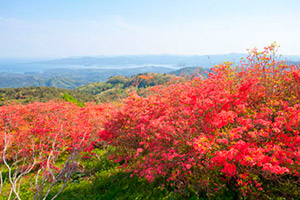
column 6, row 143
column 49, row 158
column 66, row 172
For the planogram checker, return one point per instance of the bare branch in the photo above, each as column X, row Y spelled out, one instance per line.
column 12, row 183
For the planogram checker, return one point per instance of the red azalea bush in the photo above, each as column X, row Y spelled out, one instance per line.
column 236, row 131
column 46, row 138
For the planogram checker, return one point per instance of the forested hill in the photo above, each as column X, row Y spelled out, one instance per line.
column 114, row 89
column 70, row 78
column 42, row 94
column 118, row 87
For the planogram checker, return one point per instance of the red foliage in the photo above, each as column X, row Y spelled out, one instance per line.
column 239, row 125
column 236, row 129
column 35, row 136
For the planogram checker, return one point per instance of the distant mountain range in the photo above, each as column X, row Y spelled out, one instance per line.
column 76, row 71
column 174, row 60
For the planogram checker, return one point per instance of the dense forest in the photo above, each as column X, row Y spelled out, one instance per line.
column 115, row 88
column 228, row 133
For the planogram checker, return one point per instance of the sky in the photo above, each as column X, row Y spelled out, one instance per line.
column 66, row 28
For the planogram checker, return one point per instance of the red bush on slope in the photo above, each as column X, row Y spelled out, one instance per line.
column 46, row 138
column 238, row 129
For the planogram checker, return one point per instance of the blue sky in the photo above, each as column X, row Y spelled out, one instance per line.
column 63, row 28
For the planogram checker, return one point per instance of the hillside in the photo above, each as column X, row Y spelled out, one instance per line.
column 115, row 88
column 70, row 78
column 16, row 80
column 118, row 87
column 42, row 94
column 232, row 135
column 187, row 71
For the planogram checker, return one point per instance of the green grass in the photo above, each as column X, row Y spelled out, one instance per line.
column 102, row 179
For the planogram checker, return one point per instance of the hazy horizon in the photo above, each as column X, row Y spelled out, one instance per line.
column 118, row 55
column 294, row 57
column 53, row 29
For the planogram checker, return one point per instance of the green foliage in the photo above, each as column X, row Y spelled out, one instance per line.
column 14, row 80
column 69, row 98
column 102, row 179
column 62, row 82
column 115, row 89
column 118, row 87
column 95, row 88
column 19, row 80
column 67, row 77
column 42, row 94
column 118, row 80
column 149, row 79
column 113, row 94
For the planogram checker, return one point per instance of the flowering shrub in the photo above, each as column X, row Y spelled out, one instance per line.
column 46, row 138
column 237, row 130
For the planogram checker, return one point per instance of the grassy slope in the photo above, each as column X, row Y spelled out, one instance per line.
column 109, row 182
column 101, row 179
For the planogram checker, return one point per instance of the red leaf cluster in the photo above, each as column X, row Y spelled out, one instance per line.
column 35, row 130
column 241, row 121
